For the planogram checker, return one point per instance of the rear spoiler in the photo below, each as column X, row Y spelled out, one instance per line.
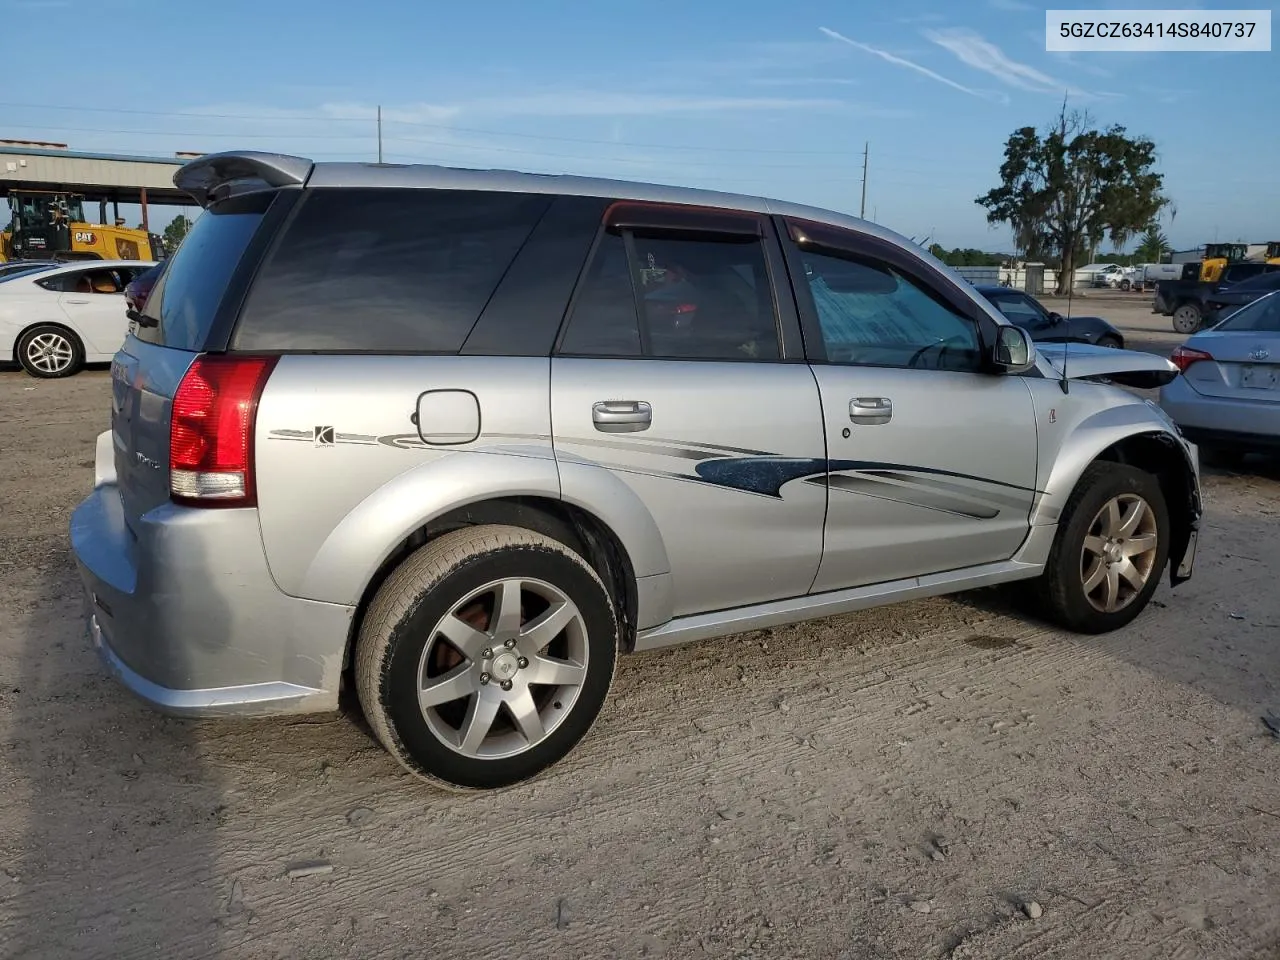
column 218, row 175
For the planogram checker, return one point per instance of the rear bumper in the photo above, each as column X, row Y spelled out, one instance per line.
column 186, row 616
column 1208, row 420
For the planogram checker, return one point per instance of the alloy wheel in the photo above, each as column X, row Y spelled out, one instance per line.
column 503, row 668
column 1119, row 553
column 50, row 352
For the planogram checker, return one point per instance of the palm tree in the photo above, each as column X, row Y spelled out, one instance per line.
column 1154, row 245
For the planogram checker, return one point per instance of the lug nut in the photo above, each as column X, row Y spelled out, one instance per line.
column 506, row 684
column 484, row 678
column 509, row 644
column 523, row 662
column 486, row 654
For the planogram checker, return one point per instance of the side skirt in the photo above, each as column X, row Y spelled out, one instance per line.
column 723, row 623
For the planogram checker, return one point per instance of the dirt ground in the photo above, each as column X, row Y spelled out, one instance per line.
column 900, row 783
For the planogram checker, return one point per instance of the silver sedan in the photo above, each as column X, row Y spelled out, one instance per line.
column 1227, row 399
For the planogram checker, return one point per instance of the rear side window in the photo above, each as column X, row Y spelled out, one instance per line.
column 386, row 271
column 186, row 297
column 669, row 296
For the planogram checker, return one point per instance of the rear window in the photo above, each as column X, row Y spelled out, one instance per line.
column 1261, row 316
column 1266, row 281
column 386, row 271
column 186, row 297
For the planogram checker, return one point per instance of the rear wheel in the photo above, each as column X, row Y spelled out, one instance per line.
column 1112, row 544
column 1110, row 342
column 486, row 656
column 1125, row 285
column 1186, row 318
column 48, row 352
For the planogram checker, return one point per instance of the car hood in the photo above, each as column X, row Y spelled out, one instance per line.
column 1129, row 367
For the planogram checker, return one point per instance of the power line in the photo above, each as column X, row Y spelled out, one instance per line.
column 320, row 118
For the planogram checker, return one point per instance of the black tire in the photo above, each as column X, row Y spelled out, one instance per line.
column 1059, row 592
column 402, row 619
column 33, row 365
column 1125, row 285
column 1113, row 343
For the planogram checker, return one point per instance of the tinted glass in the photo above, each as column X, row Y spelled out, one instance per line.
column 874, row 315
column 701, row 299
column 604, row 321
column 1017, row 309
column 1261, row 316
column 1266, row 281
column 378, row 270
column 706, row 299
column 186, row 297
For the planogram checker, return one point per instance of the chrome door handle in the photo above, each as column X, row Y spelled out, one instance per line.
column 78, row 301
column 622, row 416
column 870, row 410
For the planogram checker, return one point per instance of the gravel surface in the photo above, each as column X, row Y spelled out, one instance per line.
column 935, row 779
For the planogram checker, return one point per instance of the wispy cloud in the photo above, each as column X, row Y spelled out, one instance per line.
column 899, row 61
column 1010, row 6
column 975, row 51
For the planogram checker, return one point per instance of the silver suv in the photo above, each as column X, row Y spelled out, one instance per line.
column 459, row 438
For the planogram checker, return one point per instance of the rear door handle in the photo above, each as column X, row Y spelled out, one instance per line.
column 78, row 301
column 622, row 416
column 870, row 410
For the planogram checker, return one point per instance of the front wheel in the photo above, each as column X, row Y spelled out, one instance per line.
column 1112, row 544
column 1110, row 342
column 486, row 656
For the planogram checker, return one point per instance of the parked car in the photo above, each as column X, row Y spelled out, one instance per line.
column 54, row 321
column 1184, row 300
column 139, row 288
column 1047, row 326
column 1220, row 305
column 434, row 434
column 1228, row 396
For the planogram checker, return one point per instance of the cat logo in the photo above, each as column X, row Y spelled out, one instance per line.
column 85, row 236
column 323, row 436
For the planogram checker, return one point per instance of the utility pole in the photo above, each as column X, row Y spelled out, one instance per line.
column 379, row 133
column 862, row 211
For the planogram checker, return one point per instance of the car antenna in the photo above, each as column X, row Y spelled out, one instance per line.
column 1066, row 347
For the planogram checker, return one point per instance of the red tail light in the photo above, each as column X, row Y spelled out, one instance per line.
column 211, row 431
column 1184, row 357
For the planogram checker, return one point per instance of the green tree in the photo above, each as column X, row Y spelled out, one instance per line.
column 1065, row 190
column 175, row 231
column 1154, row 245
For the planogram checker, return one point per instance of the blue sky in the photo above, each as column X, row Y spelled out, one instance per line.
column 754, row 97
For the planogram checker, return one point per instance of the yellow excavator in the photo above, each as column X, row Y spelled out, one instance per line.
column 1217, row 256
column 52, row 226
column 1273, row 252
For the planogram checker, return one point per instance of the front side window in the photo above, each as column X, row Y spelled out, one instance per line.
column 872, row 314
column 668, row 296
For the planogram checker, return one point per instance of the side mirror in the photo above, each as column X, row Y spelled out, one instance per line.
column 1055, row 317
column 1014, row 351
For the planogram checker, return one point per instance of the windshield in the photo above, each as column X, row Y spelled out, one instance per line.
column 1261, row 316
column 24, row 272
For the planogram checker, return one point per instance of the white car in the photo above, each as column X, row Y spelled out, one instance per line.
column 54, row 321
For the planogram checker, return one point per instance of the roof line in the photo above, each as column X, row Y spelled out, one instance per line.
column 78, row 155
